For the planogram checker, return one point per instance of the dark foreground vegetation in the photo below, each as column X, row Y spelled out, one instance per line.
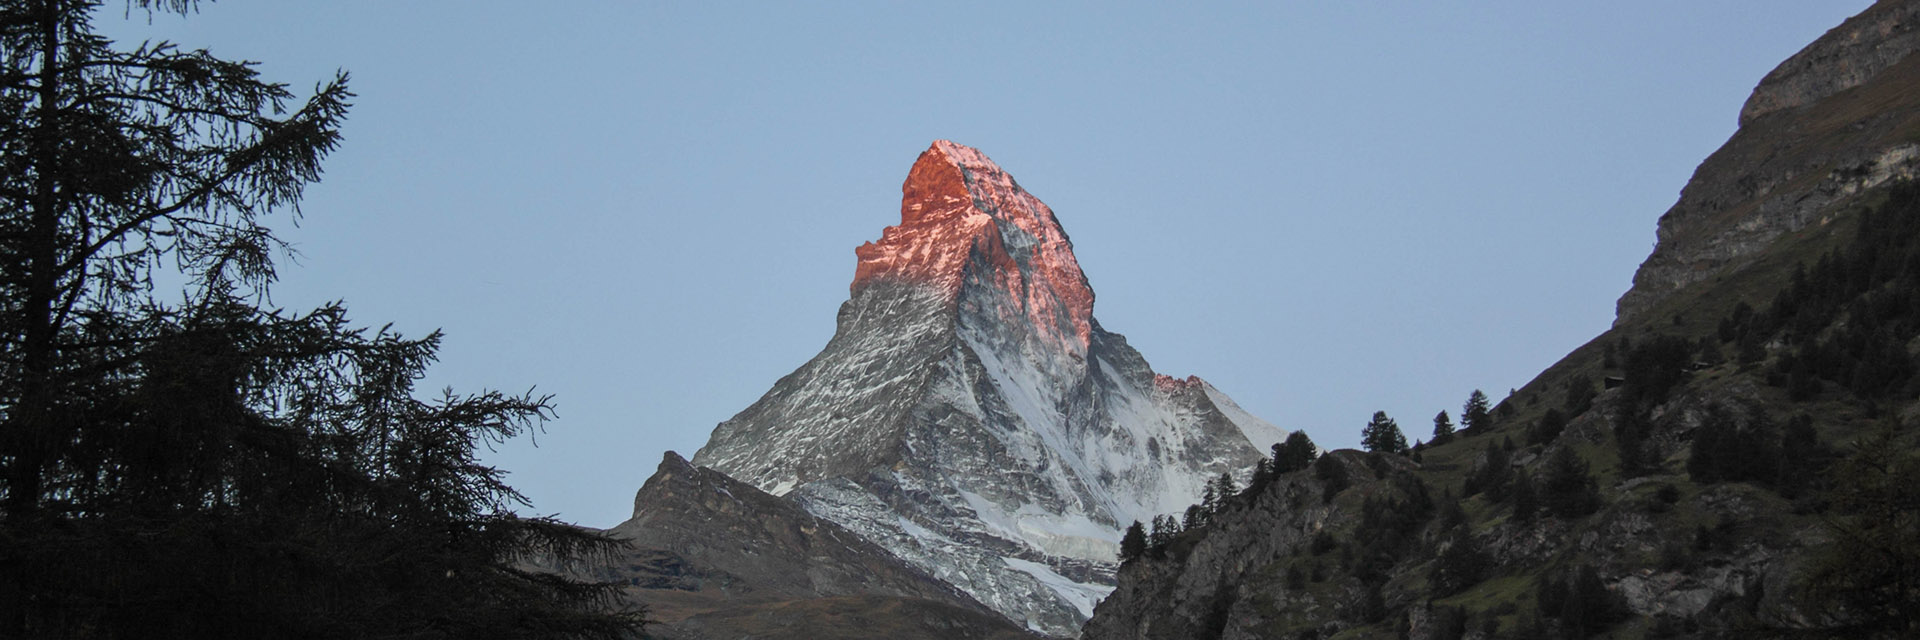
column 195, row 464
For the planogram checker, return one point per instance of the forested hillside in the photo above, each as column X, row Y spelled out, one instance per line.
column 1736, row 457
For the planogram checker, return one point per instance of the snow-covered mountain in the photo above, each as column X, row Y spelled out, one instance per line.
column 970, row 415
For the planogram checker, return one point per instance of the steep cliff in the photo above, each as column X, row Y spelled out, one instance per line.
column 1839, row 118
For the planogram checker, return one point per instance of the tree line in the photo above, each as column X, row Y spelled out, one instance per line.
column 1296, row 453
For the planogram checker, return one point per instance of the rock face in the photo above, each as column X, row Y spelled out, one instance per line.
column 1836, row 119
column 972, row 417
column 715, row 558
column 1846, row 57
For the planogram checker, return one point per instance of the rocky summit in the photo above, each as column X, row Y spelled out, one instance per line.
column 971, row 416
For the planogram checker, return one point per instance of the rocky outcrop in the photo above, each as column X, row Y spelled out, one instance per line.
column 715, row 558
column 1837, row 119
column 972, row 417
column 1846, row 57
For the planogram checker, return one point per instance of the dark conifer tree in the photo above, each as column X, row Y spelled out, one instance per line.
column 1294, row 454
column 1164, row 529
column 1548, row 427
column 1568, row 491
column 201, row 467
column 1459, row 565
column 1262, row 474
column 1133, row 543
column 1209, row 502
column 1475, row 415
column 1442, row 428
column 1654, row 367
column 1381, row 434
column 1226, row 488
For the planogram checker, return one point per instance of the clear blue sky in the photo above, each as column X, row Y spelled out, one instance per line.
column 1326, row 209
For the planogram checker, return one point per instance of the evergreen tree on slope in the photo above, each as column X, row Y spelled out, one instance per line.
column 1383, row 435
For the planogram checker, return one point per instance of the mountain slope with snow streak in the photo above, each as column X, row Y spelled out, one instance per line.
column 971, row 416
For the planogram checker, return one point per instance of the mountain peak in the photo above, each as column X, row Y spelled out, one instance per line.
column 963, row 218
column 971, row 416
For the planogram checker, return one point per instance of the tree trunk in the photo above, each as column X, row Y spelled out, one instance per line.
column 32, row 427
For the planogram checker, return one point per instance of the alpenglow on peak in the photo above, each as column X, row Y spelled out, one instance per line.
column 972, row 417
column 957, row 205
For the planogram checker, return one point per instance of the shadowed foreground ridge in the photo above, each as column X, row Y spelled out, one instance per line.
column 717, row 558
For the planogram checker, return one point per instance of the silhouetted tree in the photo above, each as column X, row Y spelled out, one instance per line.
column 1134, row 542
column 1382, row 435
column 1225, row 489
column 1262, row 474
column 1295, row 453
column 1195, row 518
column 1164, row 529
column 1442, row 428
column 202, row 467
column 1474, row 415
